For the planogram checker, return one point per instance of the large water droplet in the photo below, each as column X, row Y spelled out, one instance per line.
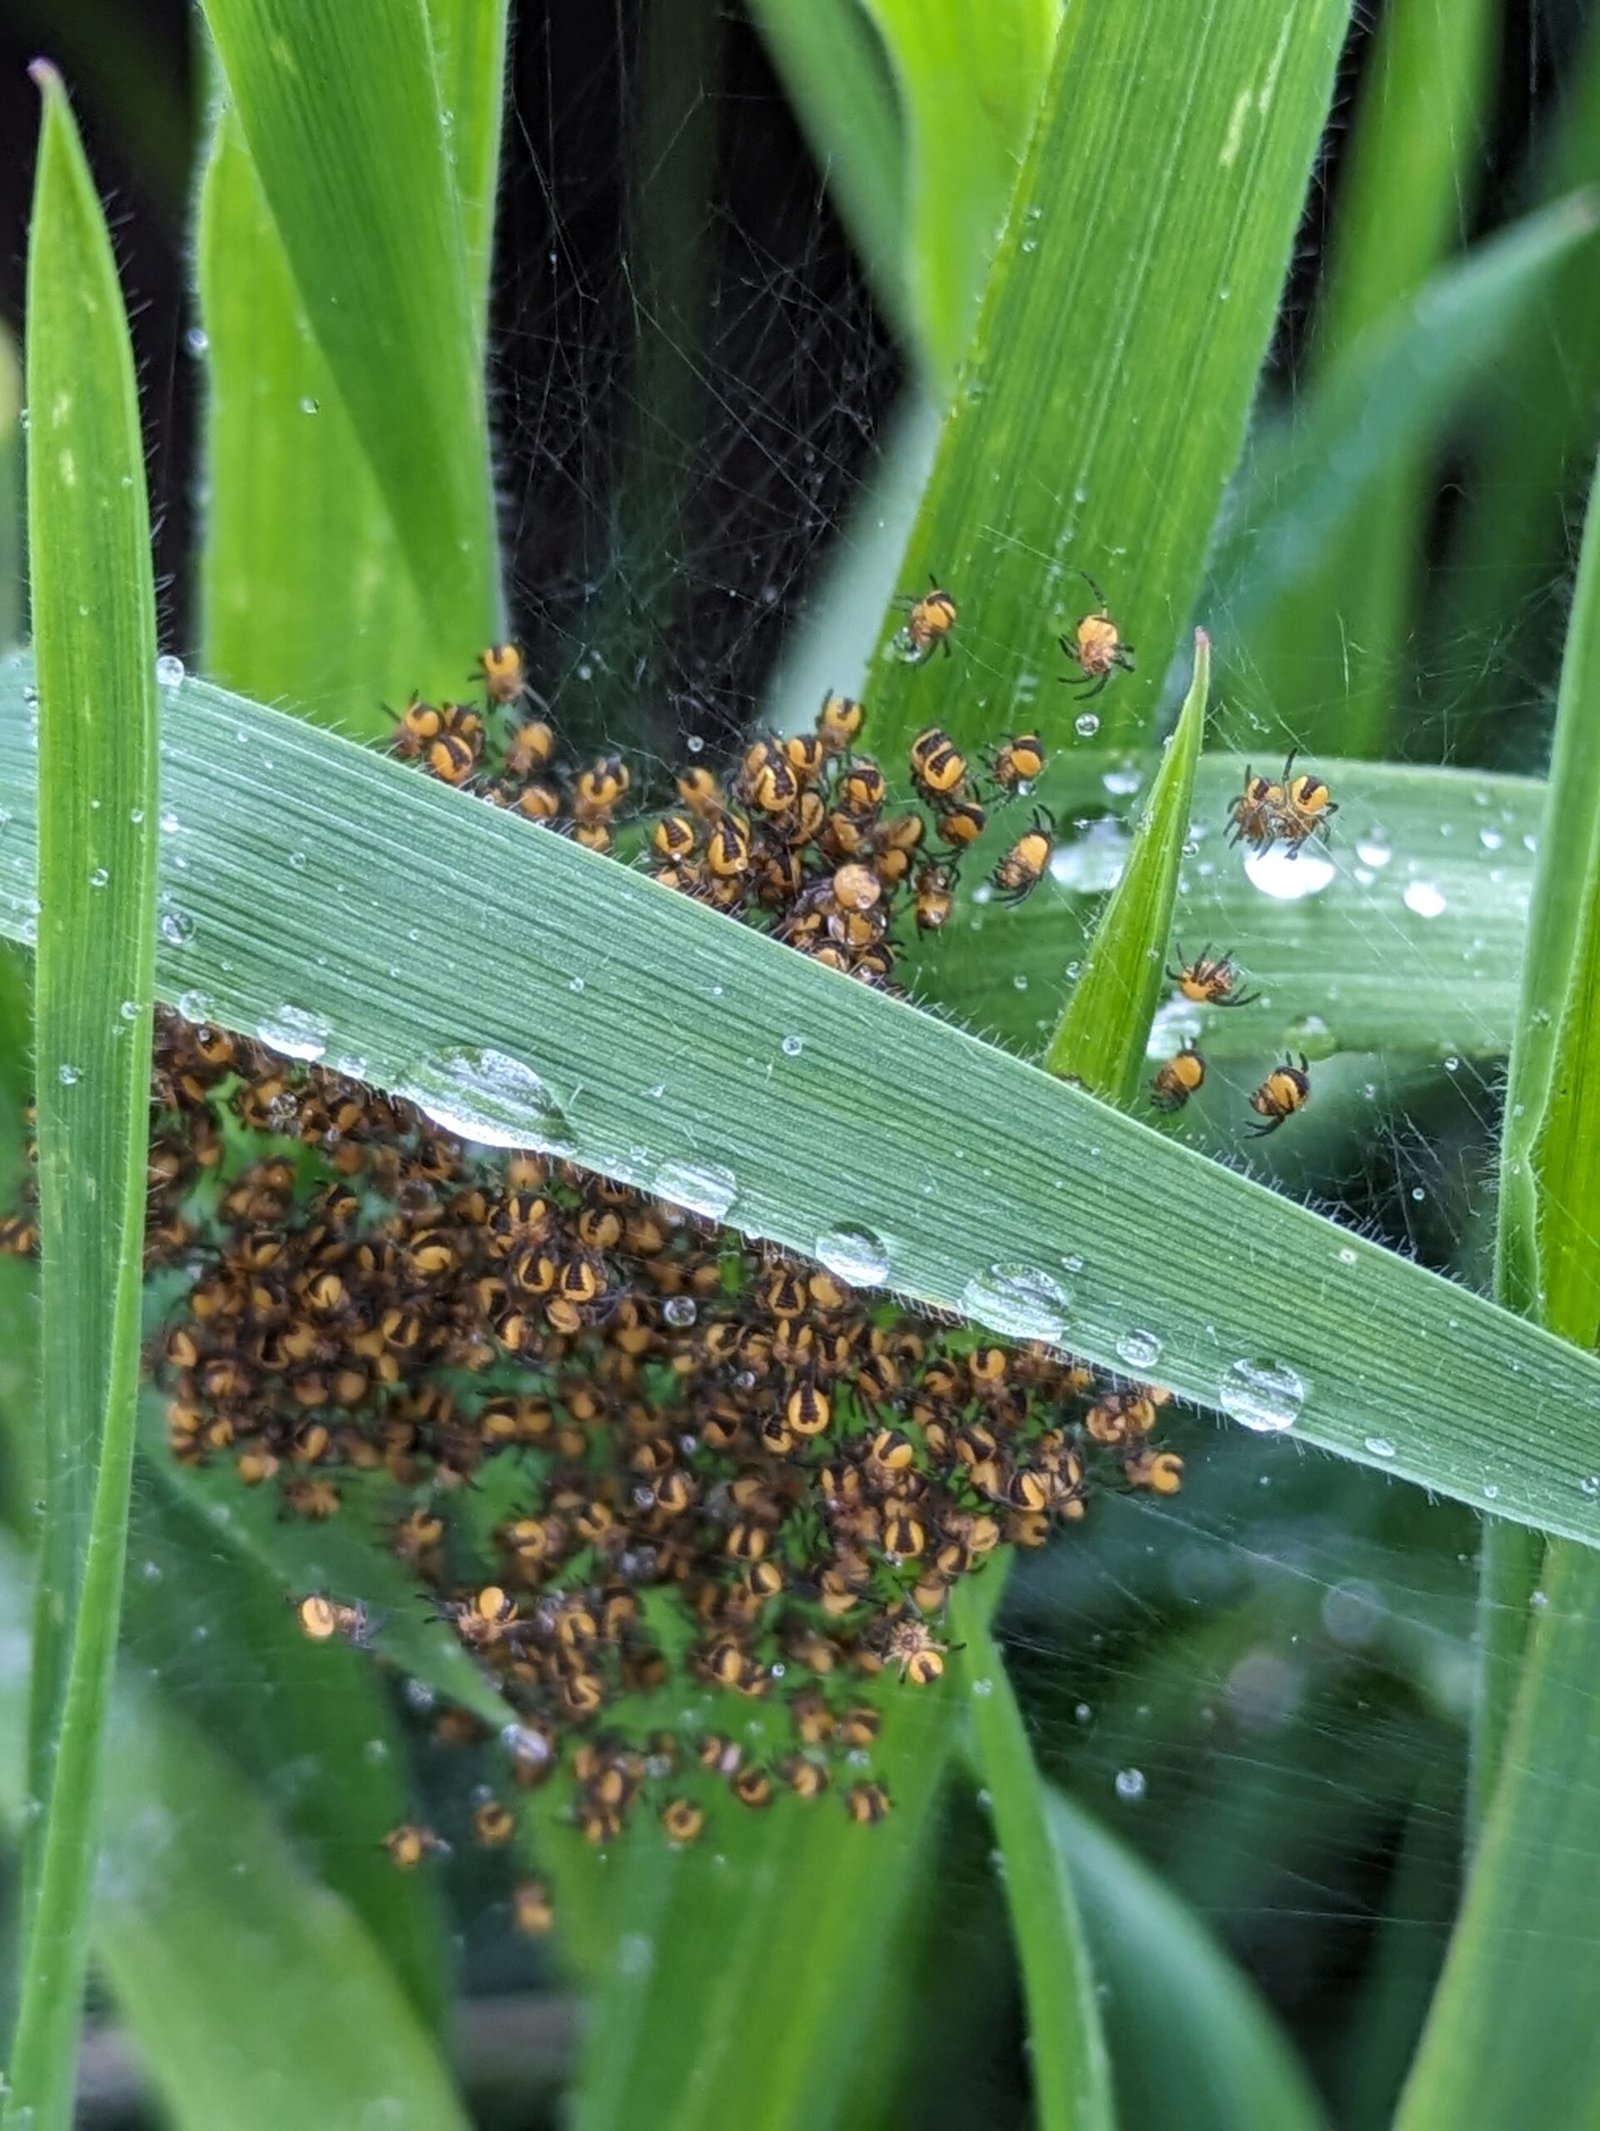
column 1130, row 1784
column 1140, row 1350
column 1021, row 1301
column 1288, row 877
column 490, row 1098
column 69, row 1075
column 680, row 1310
column 705, row 1188
column 855, row 1254
column 169, row 670
column 1423, row 898
column 294, row 1032
column 1262, row 1395
column 177, row 927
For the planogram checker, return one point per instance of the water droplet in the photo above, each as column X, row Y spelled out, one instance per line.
column 310, row 406
column 984, row 1688
column 855, row 1254
column 168, row 822
column 1086, row 724
column 1130, row 1784
column 129, row 1009
column 1265, row 1396
column 169, row 671
column 194, row 1006
column 679, row 1310
column 1140, row 1350
column 1373, row 849
column 1347, row 1256
column 197, row 341
column 99, row 877
column 792, row 1046
column 705, row 1188
column 1424, row 899
column 1020, row 1301
column 69, row 1075
column 1123, row 783
column 1491, row 1491
column 1590, row 1486
column 136, row 815
column 294, row 1032
column 297, row 859
column 1289, row 878
column 1491, row 839
column 177, row 927
column 1380, row 1446
column 490, row 1098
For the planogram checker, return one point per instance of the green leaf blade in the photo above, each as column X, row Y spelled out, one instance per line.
column 1100, row 1037
column 665, row 1064
column 94, row 624
column 1116, row 353
column 1071, row 2072
column 1536, row 1755
column 342, row 115
column 1190, row 2039
column 304, row 592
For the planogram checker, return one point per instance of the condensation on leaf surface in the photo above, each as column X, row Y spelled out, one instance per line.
column 1020, row 1301
column 1264, row 1396
column 855, row 1254
column 490, row 1098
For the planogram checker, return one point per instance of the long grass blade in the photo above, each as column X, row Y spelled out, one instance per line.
column 340, row 108
column 1103, row 400
column 1335, row 657
column 1536, row 1775
column 254, row 1995
column 1309, row 487
column 304, row 592
column 94, row 628
column 1070, row 2068
column 1102, row 1031
column 1191, row 2040
column 644, row 1035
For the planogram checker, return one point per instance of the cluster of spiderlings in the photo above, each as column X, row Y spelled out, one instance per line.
column 635, row 1462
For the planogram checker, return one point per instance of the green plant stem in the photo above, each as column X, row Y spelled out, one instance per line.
column 94, row 624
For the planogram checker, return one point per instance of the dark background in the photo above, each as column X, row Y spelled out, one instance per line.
column 800, row 368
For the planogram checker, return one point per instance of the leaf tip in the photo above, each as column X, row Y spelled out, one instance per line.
column 46, row 78
column 1202, row 642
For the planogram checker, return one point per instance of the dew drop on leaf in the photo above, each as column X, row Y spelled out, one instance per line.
column 1265, row 1396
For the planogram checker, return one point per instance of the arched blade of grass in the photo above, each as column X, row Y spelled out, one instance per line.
column 1511, row 2036
column 242, row 1979
column 835, row 72
column 1104, row 398
column 1531, row 439
column 552, row 997
column 94, row 624
column 342, row 114
column 1306, row 484
column 1336, row 656
column 1100, row 1037
column 1191, row 2041
column 1070, row 2072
